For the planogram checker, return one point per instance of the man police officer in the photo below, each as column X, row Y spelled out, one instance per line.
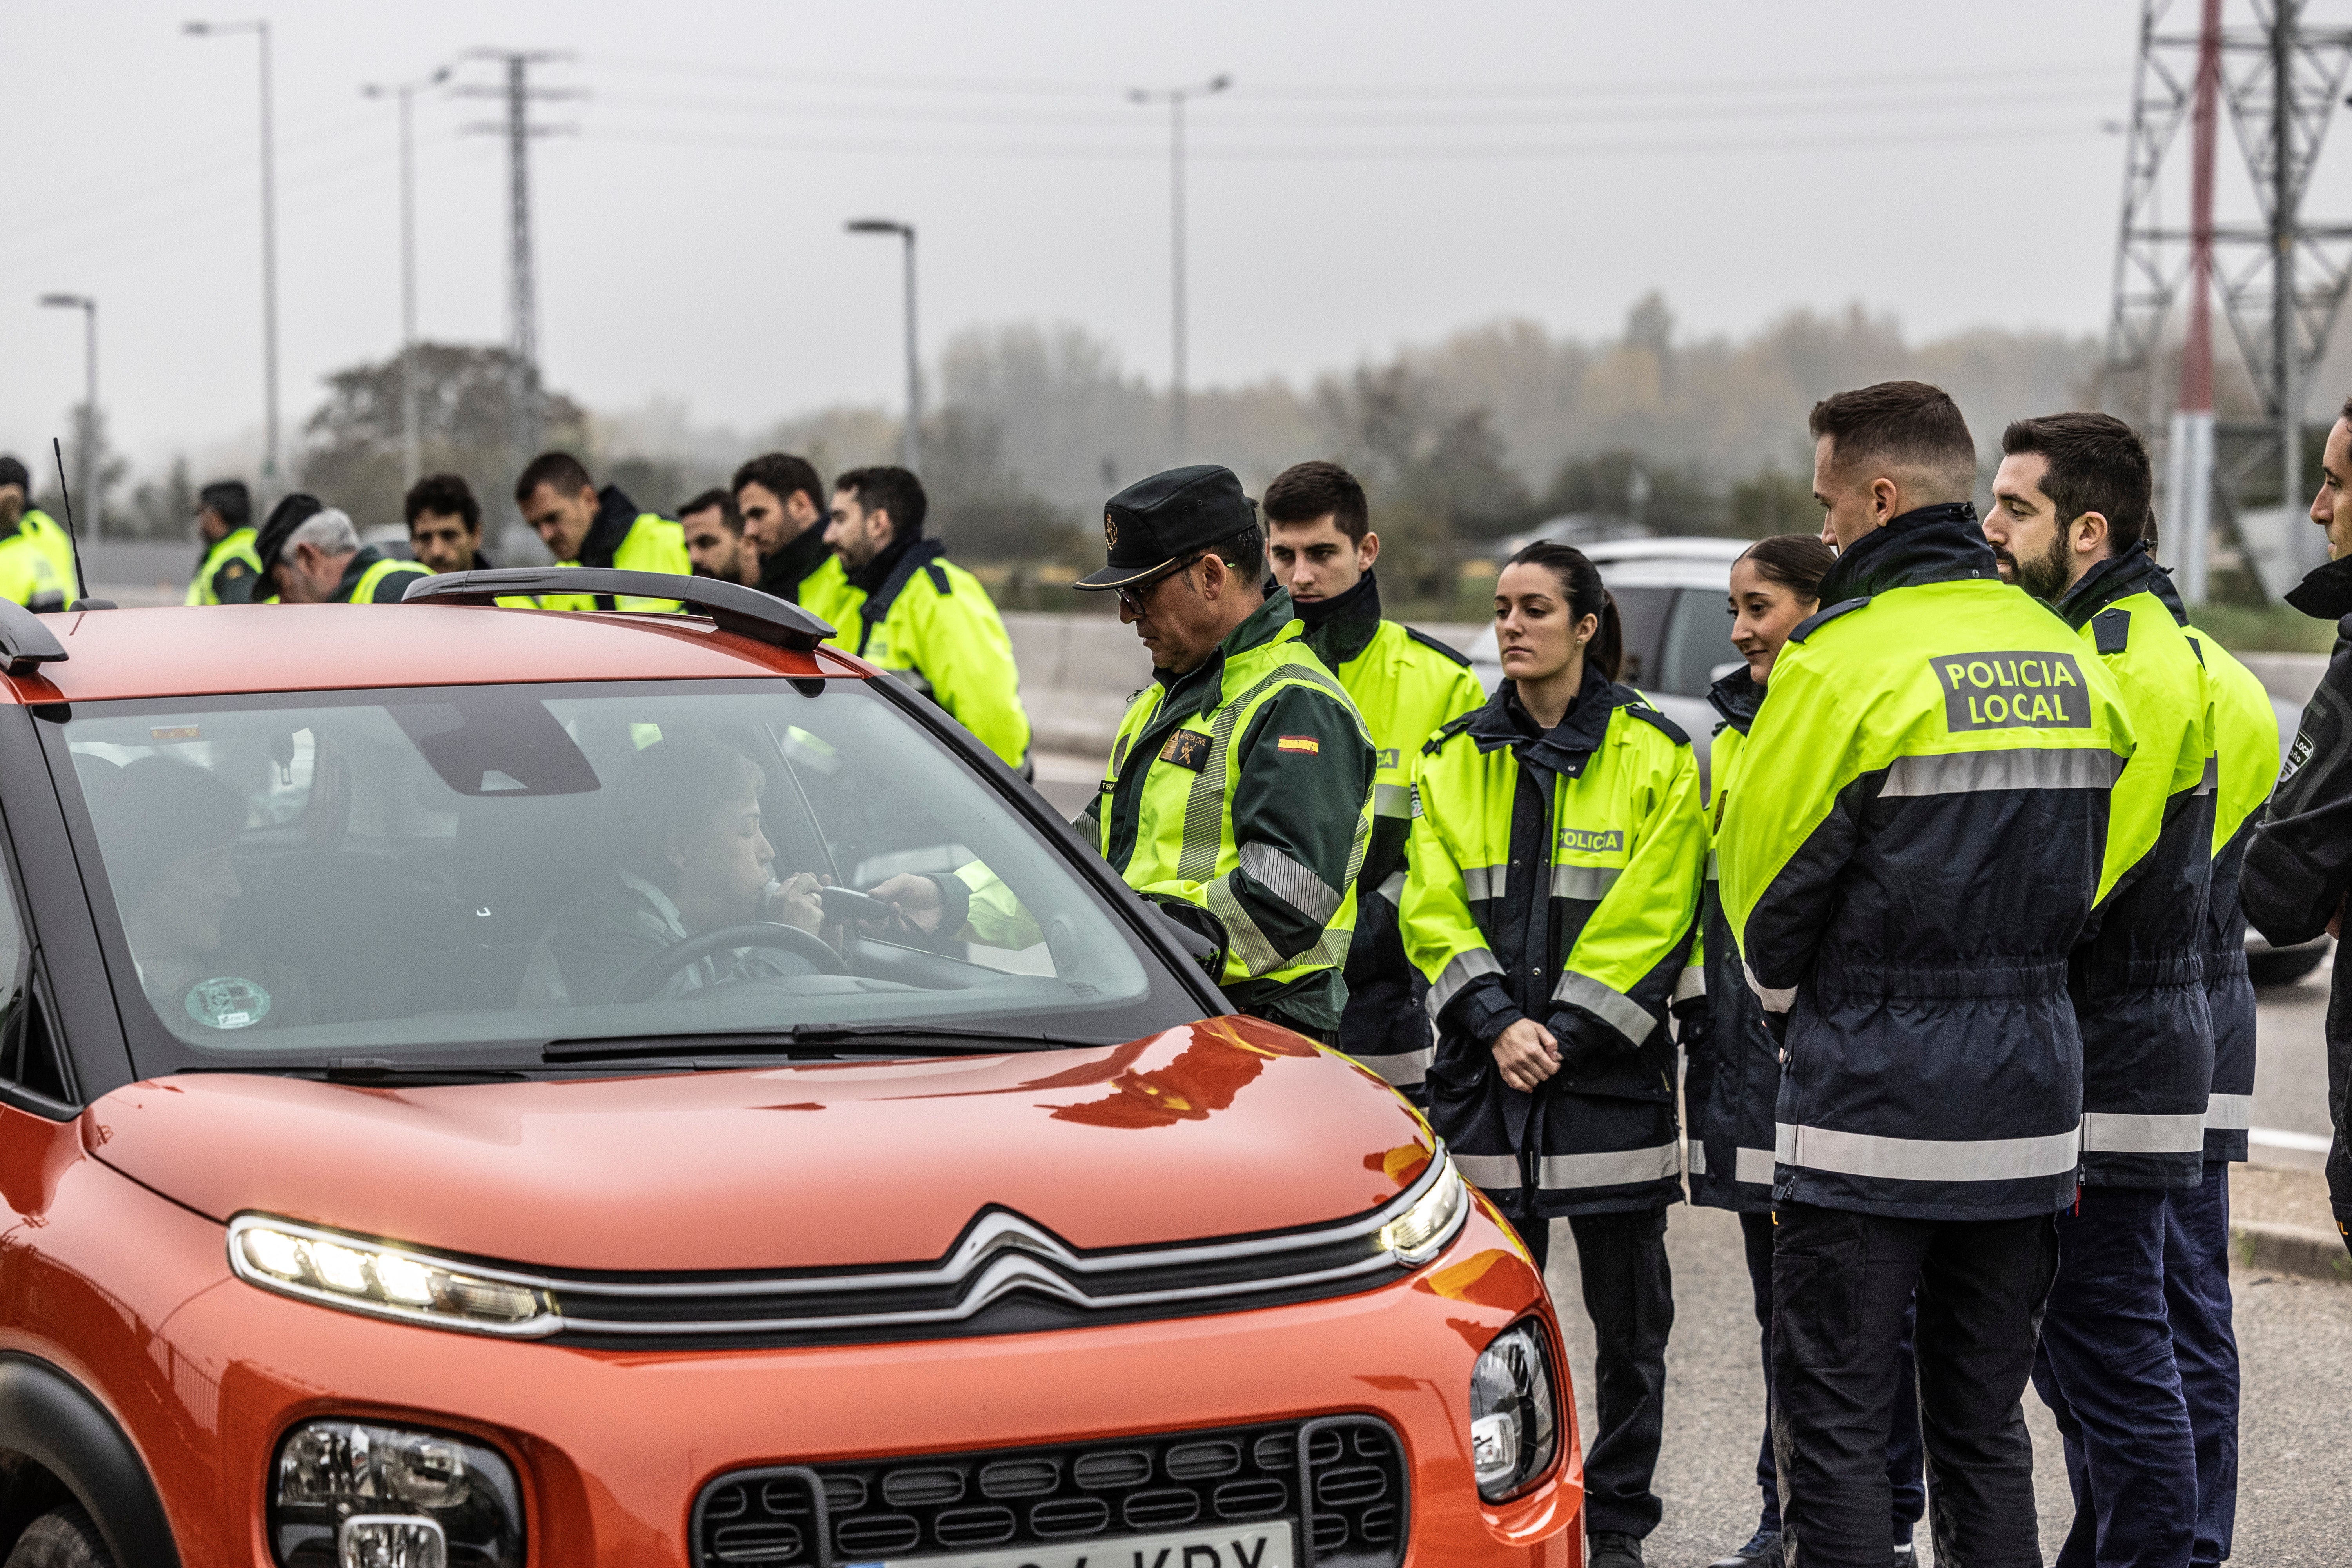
column 310, row 555
column 782, row 503
column 581, row 526
column 36, row 556
column 444, row 524
column 1405, row 685
column 228, row 569
column 2070, row 524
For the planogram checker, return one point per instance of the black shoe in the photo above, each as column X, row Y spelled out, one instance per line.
column 1763, row 1552
column 1611, row 1550
column 1905, row 1556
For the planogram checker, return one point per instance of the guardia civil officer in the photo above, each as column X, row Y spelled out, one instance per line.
column 1733, row 1077
column 1555, row 878
column 1928, row 804
column 2070, row 525
column 36, row 557
column 1321, row 541
column 228, row 569
column 784, row 507
column 583, row 526
column 312, row 555
column 2298, row 867
column 920, row 616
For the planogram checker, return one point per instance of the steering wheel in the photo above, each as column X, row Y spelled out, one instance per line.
column 773, row 935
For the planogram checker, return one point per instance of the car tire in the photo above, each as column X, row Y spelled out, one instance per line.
column 62, row 1538
column 2283, row 968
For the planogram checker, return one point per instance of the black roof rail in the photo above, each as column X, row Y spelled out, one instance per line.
column 746, row 611
column 24, row 641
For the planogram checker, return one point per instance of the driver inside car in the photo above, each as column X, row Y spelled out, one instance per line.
column 691, row 859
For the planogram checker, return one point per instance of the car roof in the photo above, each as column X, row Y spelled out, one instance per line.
column 193, row 652
column 1698, row 549
column 1714, row 574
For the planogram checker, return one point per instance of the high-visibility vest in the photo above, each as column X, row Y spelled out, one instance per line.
column 932, row 623
column 630, row 540
column 374, row 578
column 230, row 563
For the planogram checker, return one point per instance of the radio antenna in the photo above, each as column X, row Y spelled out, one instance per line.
column 73, row 541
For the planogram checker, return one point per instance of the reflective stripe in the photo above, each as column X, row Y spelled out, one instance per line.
column 1695, row 1159
column 1404, row 1069
column 1248, row 943
column 1465, row 968
column 1691, row 984
column 1293, row 883
column 1712, row 874
column 1775, row 999
column 1925, row 1158
column 2212, row 781
column 1495, row 1172
column 1482, row 882
column 1392, row 800
column 2112, row 1133
column 1393, row 888
column 1614, row 1008
column 2028, row 768
column 1663, row 1163
column 1753, row 1166
column 1590, row 883
column 2229, row 1112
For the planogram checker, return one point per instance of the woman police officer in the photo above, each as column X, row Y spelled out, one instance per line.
column 1734, row 1077
column 1556, row 864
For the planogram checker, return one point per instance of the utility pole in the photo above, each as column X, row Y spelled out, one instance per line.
column 1175, row 99
column 523, row 286
column 259, row 28
column 411, row 437
column 2189, row 479
column 911, row 442
column 86, row 453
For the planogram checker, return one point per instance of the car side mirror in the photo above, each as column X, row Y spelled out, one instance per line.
column 1200, row 933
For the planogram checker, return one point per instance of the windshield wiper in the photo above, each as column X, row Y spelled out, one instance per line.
column 374, row 1069
column 807, row 1041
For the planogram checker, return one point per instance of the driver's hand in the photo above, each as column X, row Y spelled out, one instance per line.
column 916, row 900
column 797, row 901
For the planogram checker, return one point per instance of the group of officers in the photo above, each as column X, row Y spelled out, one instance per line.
column 1938, row 981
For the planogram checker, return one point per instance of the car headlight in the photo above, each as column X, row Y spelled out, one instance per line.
column 1514, row 1416
column 388, row 1281
column 351, row 1494
column 1421, row 1232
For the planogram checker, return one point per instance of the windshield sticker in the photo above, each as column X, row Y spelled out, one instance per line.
column 227, row 1002
column 2013, row 691
column 178, row 732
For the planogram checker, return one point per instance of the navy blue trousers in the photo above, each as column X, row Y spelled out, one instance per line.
column 1629, row 1293
column 1903, row 1452
column 2108, row 1372
column 2205, row 1348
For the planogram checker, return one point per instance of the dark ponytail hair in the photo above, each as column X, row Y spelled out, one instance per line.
column 1581, row 585
column 1797, row 561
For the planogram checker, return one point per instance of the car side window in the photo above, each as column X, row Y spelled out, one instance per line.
column 29, row 1057
column 1641, row 613
column 1699, row 642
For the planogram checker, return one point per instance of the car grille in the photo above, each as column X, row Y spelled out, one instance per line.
column 1347, row 1495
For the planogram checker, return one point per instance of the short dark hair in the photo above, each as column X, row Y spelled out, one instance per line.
column 229, row 500
column 2096, row 464
column 1902, row 424
column 560, row 471
column 781, row 474
column 1244, row 552
column 1580, row 584
column 13, row 472
column 894, row 490
column 1305, row 491
column 443, row 495
column 2344, row 412
column 1797, row 561
column 730, row 518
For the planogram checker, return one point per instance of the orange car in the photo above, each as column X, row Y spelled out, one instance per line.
column 478, row 1089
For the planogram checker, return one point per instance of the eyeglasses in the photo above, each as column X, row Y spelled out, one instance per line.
column 1131, row 596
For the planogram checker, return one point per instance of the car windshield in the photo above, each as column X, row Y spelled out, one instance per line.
column 473, row 873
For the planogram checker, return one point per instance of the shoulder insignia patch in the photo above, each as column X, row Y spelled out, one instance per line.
column 2111, row 630
column 1187, row 749
column 1447, row 731
column 1448, row 649
column 1823, row 617
column 1307, row 744
column 1664, row 725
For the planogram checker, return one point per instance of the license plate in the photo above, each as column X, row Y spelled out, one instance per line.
column 1252, row 1546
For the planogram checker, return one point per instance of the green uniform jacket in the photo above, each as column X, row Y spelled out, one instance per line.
column 228, row 572
column 1940, row 787
column 929, row 622
column 31, row 571
column 374, row 578
column 1245, row 786
column 1404, row 685
column 628, row 540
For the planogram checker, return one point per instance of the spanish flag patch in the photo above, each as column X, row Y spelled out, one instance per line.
column 1307, row 744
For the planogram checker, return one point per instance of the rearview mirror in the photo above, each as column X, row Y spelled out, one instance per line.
column 1200, row 933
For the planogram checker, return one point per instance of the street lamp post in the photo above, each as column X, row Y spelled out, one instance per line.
column 85, row 455
column 1175, row 99
column 913, row 442
column 259, row 28
column 411, row 437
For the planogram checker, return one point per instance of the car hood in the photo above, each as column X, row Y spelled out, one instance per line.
column 1220, row 1127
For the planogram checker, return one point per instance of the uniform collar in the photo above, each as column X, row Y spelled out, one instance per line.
column 615, row 515
column 1563, row 748
column 1737, row 697
column 1204, row 688
column 2117, row 577
column 2326, row 593
column 1342, row 627
column 881, row 578
column 783, row 573
column 1940, row 544
column 348, row 583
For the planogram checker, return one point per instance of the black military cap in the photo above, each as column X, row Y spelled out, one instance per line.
column 1156, row 522
column 284, row 518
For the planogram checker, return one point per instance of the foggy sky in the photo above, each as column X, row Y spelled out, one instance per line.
column 1381, row 173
